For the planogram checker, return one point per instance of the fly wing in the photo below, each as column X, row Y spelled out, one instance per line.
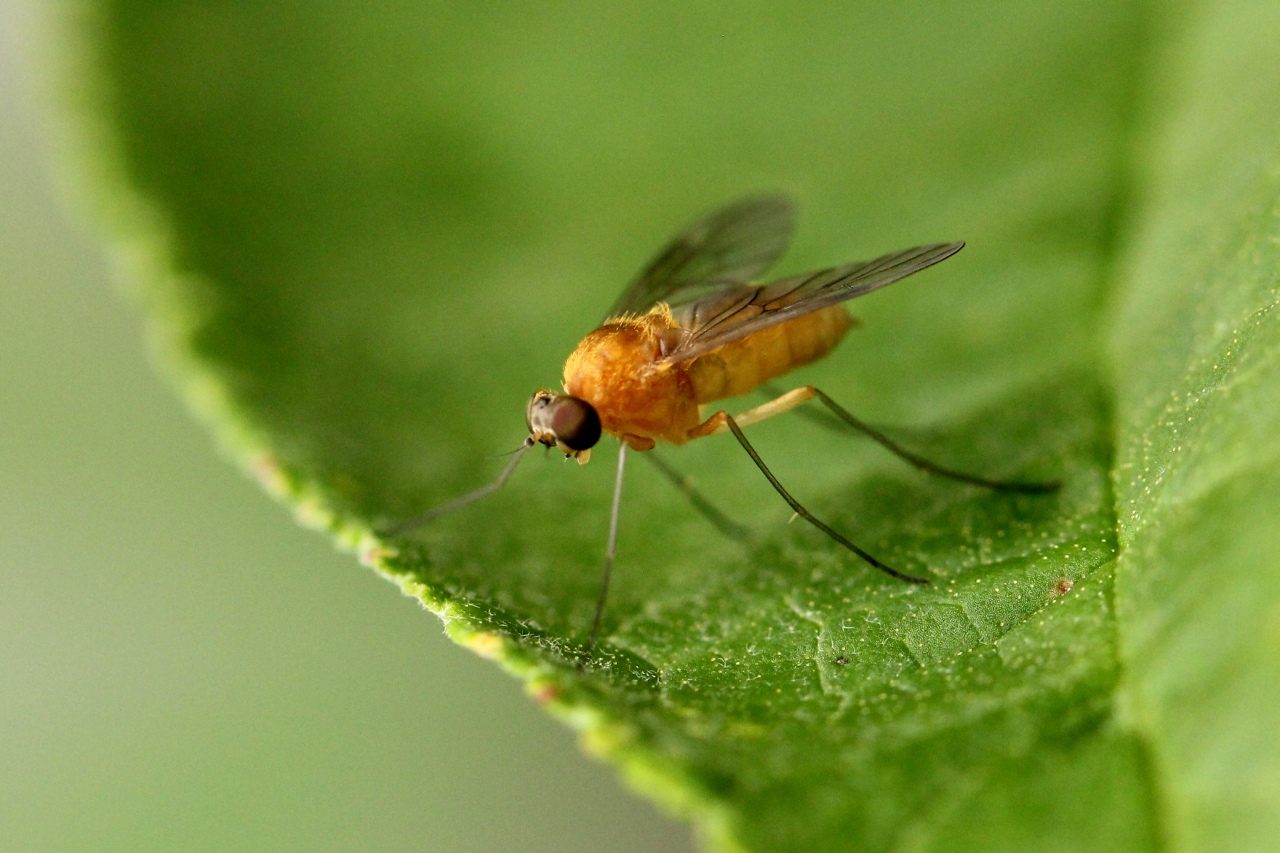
column 723, row 250
column 731, row 314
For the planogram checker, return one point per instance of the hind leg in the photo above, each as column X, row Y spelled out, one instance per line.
column 719, row 422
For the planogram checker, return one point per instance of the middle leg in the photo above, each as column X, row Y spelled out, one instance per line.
column 708, row 510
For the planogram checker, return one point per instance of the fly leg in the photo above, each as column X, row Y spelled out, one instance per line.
column 719, row 422
column 915, row 459
column 722, row 422
column 838, row 417
column 709, row 511
column 611, row 550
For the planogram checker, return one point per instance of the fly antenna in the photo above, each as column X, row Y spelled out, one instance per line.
column 528, row 442
column 457, row 503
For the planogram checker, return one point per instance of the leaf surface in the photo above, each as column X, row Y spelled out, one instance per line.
column 366, row 234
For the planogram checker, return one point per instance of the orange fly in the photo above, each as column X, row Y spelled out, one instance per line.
column 693, row 329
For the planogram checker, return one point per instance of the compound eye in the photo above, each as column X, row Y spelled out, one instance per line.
column 575, row 423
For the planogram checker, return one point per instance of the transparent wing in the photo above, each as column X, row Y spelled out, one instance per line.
column 723, row 250
column 734, row 313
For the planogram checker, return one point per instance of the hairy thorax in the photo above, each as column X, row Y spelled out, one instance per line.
column 616, row 370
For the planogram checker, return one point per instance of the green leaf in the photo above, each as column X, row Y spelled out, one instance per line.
column 1196, row 348
column 365, row 234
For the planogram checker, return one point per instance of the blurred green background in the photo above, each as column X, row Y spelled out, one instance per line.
column 181, row 667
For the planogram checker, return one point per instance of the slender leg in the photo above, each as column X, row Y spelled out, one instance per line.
column 458, row 503
column 717, row 424
column 804, row 513
column 718, row 519
column 821, row 417
column 924, row 464
column 610, row 550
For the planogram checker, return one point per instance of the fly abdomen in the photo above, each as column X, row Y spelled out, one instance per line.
column 739, row 366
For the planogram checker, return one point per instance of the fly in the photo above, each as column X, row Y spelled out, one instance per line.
column 693, row 329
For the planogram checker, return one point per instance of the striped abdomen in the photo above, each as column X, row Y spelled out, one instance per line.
column 739, row 366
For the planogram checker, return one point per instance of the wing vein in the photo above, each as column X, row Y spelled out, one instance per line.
column 749, row 309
